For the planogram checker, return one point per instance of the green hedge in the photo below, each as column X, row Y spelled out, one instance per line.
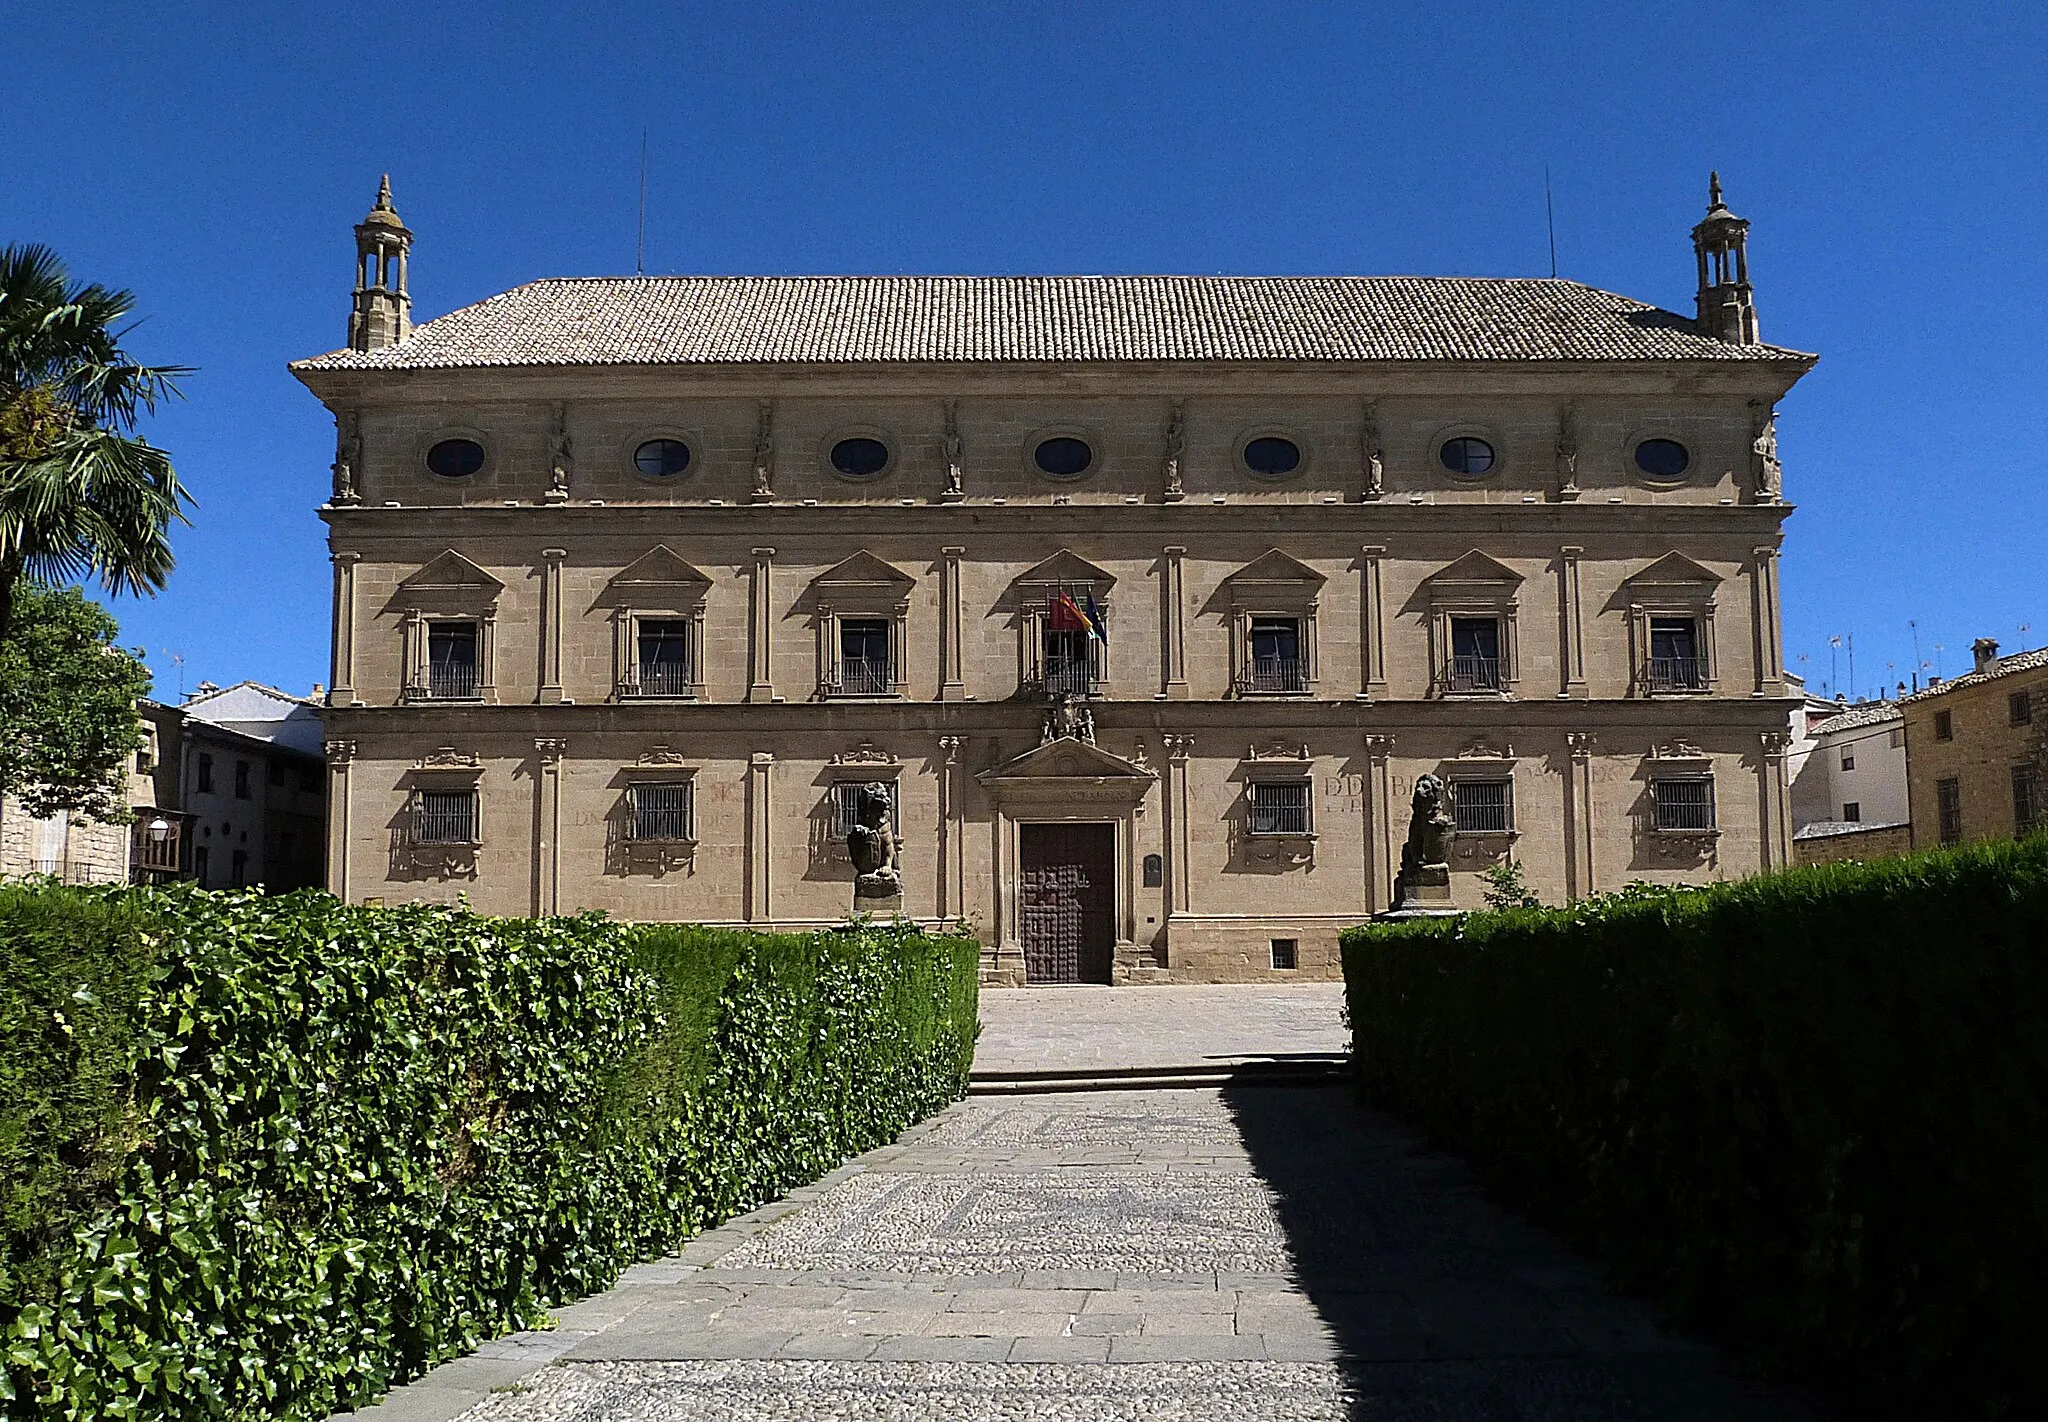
column 1808, row 1111
column 267, row 1157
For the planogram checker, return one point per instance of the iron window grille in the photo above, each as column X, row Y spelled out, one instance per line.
column 2026, row 799
column 1277, row 807
column 846, row 807
column 1948, row 804
column 661, row 665
column 1944, row 726
column 2020, row 707
column 444, row 817
column 660, row 813
column 1286, row 953
column 863, row 666
column 1684, row 806
column 1483, row 806
column 1475, row 654
column 451, row 661
column 1852, row 811
column 1675, row 662
column 1276, row 664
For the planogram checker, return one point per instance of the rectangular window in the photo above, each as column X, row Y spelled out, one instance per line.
column 1944, row 726
column 1852, row 810
column 1276, row 660
column 660, row 812
column 238, row 868
column 241, row 780
column 1277, row 806
column 145, row 760
column 2020, row 707
column 2026, row 799
column 1848, row 759
column 155, row 840
column 444, row 817
column 1069, row 661
column 1675, row 663
column 846, row 807
column 201, row 860
column 661, row 661
column 864, row 656
column 1948, row 804
column 1483, row 806
column 1898, row 739
column 1475, row 654
column 206, row 772
column 451, row 660
column 1684, row 805
column 1286, row 953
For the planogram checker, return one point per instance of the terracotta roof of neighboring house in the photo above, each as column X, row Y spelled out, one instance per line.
column 1869, row 714
column 2017, row 662
column 1828, row 829
column 805, row 319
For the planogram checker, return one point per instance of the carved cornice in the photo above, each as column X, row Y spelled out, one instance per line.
column 1278, row 749
column 867, row 753
column 662, row 755
column 448, row 758
column 1678, row 749
column 1480, row 748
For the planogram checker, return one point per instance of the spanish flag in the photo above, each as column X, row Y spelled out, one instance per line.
column 1066, row 615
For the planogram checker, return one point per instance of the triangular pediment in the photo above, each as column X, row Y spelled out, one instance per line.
column 1067, row 566
column 1068, row 758
column 659, row 567
column 1476, row 567
column 1675, row 570
column 449, row 575
column 864, row 570
column 1273, row 566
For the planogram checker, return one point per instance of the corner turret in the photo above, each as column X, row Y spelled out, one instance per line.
column 382, row 311
column 1727, row 306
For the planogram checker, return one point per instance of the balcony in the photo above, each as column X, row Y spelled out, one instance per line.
column 863, row 676
column 1473, row 674
column 659, row 680
column 1677, row 674
column 453, row 681
column 1273, row 676
column 1068, row 676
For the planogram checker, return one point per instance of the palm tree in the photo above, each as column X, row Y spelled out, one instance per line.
column 81, row 495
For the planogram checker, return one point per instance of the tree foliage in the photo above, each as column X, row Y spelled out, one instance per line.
column 81, row 494
column 67, row 706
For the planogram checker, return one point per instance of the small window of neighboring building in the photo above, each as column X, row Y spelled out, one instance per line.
column 1277, row 807
column 455, row 458
column 1848, row 758
column 1684, row 804
column 1466, row 456
column 241, row 780
column 445, row 817
column 238, row 868
column 1286, row 953
column 1948, row 803
column 846, row 807
column 1944, row 726
column 1852, row 810
column 145, row 760
column 1662, row 458
column 1898, row 738
column 1483, row 806
column 2026, row 799
column 659, row 812
column 202, row 859
column 206, row 772
column 2020, row 707
column 311, row 778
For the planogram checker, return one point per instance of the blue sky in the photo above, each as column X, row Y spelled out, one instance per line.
column 212, row 157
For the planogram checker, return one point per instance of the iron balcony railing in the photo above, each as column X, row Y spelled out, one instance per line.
column 660, row 679
column 1274, row 674
column 863, row 676
column 1069, row 676
column 1475, row 674
column 451, row 681
column 1677, row 674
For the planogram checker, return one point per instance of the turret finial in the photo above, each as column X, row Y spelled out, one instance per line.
column 1714, row 190
column 384, row 192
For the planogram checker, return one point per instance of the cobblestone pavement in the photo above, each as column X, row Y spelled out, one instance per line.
column 1070, row 1028
column 1234, row 1253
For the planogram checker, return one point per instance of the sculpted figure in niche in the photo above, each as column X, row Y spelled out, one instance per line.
column 1375, row 461
column 561, row 456
column 348, row 456
column 877, row 874
column 1425, row 859
column 764, row 452
column 1068, row 719
column 954, row 448
column 1769, row 473
column 1568, row 451
column 1176, row 446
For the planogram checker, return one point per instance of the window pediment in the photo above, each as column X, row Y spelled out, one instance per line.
column 448, row 581
column 1674, row 579
column 1274, row 578
column 862, row 579
column 658, row 577
column 1474, row 578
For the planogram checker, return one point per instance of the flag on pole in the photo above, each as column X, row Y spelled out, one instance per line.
column 1097, row 628
column 1065, row 615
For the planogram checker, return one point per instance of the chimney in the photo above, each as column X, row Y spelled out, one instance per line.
column 1985, row 651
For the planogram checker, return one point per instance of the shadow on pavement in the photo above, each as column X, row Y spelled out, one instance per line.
column 1443, row 1306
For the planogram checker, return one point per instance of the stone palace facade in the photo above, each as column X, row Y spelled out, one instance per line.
column 1149, row 597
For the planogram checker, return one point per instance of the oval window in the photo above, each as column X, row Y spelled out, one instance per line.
column 1063, row 456
column 1466, row 456
column 860, row 457
column 1662, row 458
column 455, row 458
column 662, row 457
column 1271, row 457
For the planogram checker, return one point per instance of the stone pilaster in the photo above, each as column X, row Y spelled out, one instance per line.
column 340, row 758
column 760, row 816
column 1173, row 631
column 547, row 826
column 551, row 625
column 1379, row 823
column 1179, row 846
column 952, row 677
column 342, row 676
column 1571, row 622
column 1372, row 629
column 1578, row 816
column 1770, row 640
column 761, row 631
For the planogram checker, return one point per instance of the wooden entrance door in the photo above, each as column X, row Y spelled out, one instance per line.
column 1067, row 897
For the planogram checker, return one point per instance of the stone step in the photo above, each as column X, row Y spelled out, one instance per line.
column 1305, row 1070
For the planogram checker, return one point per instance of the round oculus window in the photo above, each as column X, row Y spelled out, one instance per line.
column 1063, row 456
column 860, row 457
column 1466, row 455
column 1271, row 457
column 1663, row 458
column 662, row 458
column 455, row 458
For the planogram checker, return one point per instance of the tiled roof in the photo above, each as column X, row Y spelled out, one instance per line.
column 2017, row 662
column 1828, row 829
column 1867, row 715
column 701, row 320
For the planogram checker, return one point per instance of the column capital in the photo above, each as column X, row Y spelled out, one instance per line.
column 549, row 749
column 340, row 753
column 1378, row 745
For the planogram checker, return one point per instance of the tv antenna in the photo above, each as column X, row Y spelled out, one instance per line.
column 178, row 660
column 1550, row 216
column 640, row 247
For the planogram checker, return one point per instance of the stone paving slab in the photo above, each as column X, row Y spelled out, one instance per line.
column 993, row 1264
column 1071, row 1028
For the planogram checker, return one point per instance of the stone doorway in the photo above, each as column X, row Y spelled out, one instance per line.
column 1067, row 901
